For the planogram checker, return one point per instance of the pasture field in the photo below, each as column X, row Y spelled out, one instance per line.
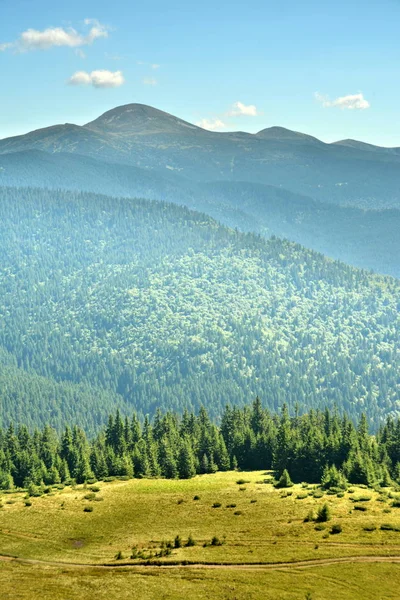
column 250, row 541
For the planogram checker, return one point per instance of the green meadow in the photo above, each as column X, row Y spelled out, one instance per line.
column 247, row 540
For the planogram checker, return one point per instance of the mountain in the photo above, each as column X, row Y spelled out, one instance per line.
column 141, row 136
column 146, row 304
column 367, row 239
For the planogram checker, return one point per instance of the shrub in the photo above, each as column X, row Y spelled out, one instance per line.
column 310, row 517
column 389, row 527
column 94, row 488
column 216, row 541
column 119, row 555
column 180, row 501
column 90, row 496
column 242, row 481
column 324, row 513
column 302, row 496
column 231, row 506
column 332, row 478
column 217, row 505
column 88, row 509
column 242, row 489
column 253, row 501
column 320, row 527
column 238, row 512
column 363, row 498
column 190, row 542
column 284, row 480
column 396, row 504
column 318, row 494
column 196, row 497
column 28, row 502
column 369, row 528
column 336, row 528
column 178, row 542
column 361, row 508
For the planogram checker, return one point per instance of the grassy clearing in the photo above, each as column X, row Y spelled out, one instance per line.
column 345, row 582
column 258, row 524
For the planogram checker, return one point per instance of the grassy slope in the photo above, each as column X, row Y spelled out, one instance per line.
column 144, row 512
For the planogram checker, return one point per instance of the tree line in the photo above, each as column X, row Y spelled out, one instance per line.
column 312, row 447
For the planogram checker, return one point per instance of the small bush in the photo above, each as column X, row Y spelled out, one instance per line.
column 284, row 480
column 90, row 496
column 363, row 498
column 178, row 542
column 386, row 510
column 310, row 517
column 369, row 528
column 242, row 489
column 217, row 505
column 389, row 527
column 361, row 508
column 336, row 528
column 180, row 501
column 302, row 496
column 88, row 509
column 94, row 488
column 28, row 502
column 242, row 481
column 340, row 494
column 119, row 555
column 196, row 497
column 324, row 513
column 238, row 512
column 253, row 501
column 190, row 542
column 318, row 494
column 216, row 541
column 320, row 527
column 231, row 506
column 396, row 504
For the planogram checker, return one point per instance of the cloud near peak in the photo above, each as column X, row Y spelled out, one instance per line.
column 350, row 102
column 34, row 39
column 211, row 124
column 239, row 109
column 98, row 79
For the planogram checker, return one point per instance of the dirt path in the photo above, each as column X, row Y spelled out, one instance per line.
column 301, row 564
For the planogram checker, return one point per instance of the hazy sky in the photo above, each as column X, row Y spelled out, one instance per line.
column 330, row 69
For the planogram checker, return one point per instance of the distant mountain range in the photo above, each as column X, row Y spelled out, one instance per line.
column 330, row 197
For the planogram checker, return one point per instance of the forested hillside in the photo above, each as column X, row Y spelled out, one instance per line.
column 147, row 304
column 363, row 238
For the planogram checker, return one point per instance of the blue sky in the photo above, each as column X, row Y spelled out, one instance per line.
column 328, row 69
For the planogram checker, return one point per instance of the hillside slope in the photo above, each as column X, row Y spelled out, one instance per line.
column 363, row 238
column 162, row 306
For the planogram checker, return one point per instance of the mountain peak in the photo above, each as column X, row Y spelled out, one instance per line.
column 283, row 134
column 139, row 119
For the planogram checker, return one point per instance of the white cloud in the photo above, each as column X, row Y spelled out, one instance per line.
column 211, row 124
column 150, row 81
column 238, row 109
column 155, row 66
column 98, row 79
column 350, row 102
column 33, row 39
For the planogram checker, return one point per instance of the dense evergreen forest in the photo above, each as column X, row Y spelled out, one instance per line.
column 136, row 304
column 318, row 446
